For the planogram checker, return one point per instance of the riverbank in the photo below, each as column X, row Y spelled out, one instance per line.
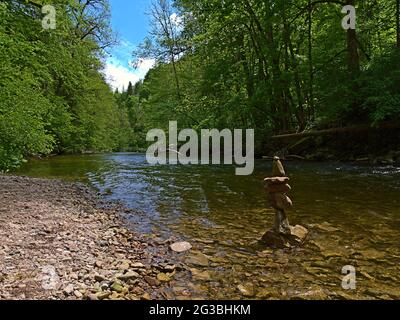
column 57, row 243
column 373, row 147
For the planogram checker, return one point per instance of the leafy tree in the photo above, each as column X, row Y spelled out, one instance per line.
column 277, row 66
column 53, row 96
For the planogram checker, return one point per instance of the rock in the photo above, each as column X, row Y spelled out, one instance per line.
column 114, row 296
column 329, row 253
column 124, row 265
column 281, row 201
column 315, row 293
column 99, row 264
column 103, row 295
column 129, row 275
column 92, row 297
column 344, row 296
column 99, row 278
column 163, row 277
column 78, row 294
column 146, row 297
column 204, row 241
column 274, row 240
column 200, row 275
column 367, row 275
column 169, row 268
column 181, row 247
column 326, row 227
column 299, row 232
column 373, row 254
column 297, row 236
column 151, row 281
column 219, row 260
column 74, row 276
column 198, row 259
column 117, row 287
column 277, row 168
column 276, row 180
column 138, row 265
column 69, row 289
column 247, row 290
column 278, row 188
column 281, row 224
column 264, row 294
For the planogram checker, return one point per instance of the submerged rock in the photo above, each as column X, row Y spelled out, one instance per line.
column 326, row 227
column 299, row 233
column 198, row 259
column 297, row 236
column 314, row 293
column 162, row 277
column 181, row 246
column 200, row 275
column 247, row 290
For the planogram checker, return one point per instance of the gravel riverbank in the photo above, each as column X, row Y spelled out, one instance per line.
column 56, row 242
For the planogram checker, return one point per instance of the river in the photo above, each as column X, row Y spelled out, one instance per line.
column 353, row 213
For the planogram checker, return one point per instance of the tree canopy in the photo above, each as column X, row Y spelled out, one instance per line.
column 280, row 66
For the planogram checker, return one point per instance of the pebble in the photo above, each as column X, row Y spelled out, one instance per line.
column 162, row 277
column 246, row 290
column 117, row 287
column 129, row 275
column 72, row 247
column 69, row 289
column 78, row 294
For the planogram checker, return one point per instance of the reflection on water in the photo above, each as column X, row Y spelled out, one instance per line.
column 353, row 213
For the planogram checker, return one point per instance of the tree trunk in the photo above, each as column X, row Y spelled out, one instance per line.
column 352, row 48
column 310, row 63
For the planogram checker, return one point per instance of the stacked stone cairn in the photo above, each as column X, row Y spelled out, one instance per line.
column 277, row 187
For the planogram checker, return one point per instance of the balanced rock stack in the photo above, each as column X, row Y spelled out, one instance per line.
column 282, row 235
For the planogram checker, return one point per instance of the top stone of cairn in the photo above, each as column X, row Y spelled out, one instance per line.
column 277, row 168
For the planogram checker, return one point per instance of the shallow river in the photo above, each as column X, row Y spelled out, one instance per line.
column 353, row 213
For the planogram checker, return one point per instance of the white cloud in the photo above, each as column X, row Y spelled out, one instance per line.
column 143, row 66
column 118, row 77
column 119, row 68
column 176, row 20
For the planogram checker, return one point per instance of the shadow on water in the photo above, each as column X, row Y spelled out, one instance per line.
column 352, row 211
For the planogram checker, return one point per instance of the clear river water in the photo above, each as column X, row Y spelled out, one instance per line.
column 352, row 211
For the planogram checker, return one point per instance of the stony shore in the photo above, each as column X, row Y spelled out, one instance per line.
column 56, row 242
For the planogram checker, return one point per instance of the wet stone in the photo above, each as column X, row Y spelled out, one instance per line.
column 198, row 259
column 162, row 277
column 247, row 290
column 181, row 247
column 200, row 275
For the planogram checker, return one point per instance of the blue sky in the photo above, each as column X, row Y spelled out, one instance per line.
column 130, row 22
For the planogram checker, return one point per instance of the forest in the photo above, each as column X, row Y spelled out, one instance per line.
column 282, row 66
column 54, row 98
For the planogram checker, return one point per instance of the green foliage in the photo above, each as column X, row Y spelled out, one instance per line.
column 53, row 97
column 380, row 89
column 275, row 66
